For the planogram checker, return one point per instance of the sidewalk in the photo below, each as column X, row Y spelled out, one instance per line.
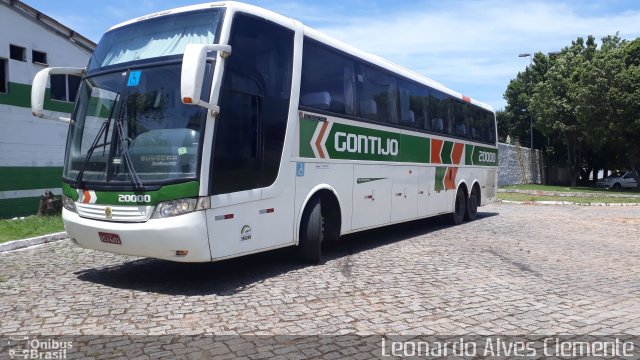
column 23, row 243
column 569, row 194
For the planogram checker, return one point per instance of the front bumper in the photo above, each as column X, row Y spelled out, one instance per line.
column 155, row 238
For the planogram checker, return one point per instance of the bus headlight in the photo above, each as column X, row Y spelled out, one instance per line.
column 68, row 204
column 180, row 207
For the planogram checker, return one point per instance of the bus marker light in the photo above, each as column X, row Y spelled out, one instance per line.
column 182, row 252
column 267, row 211
column 224, row 217
column 187, row 100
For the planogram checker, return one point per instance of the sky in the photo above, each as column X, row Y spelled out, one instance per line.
column 470, row 46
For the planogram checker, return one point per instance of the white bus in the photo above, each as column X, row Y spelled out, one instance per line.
column 218, row 130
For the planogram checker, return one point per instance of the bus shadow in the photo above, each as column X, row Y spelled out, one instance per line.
column 229, row 277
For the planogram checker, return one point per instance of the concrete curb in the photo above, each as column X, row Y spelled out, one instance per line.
column 19, row 244
column 568, row 194
column 568, row 203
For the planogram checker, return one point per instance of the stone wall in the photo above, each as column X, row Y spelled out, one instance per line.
column 514, row 165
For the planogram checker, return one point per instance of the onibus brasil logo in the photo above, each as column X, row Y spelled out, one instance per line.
column 34, row 348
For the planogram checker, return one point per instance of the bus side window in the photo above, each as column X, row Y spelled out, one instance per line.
column 440, row 112
column 327, row 80
column 377, row 95
column 413, row 104
column 460, row 126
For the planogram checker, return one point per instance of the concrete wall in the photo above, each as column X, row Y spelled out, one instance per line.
column 514, row 165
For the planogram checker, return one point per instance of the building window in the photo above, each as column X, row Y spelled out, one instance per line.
column 17, row 53
column 39, row 57
column 64, row 87
column 3, row 75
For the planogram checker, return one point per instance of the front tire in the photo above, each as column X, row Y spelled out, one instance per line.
column 457, row 216
column 472, row 205
column 311, row 234
column 616, row 186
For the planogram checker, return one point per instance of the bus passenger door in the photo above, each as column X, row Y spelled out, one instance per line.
column 371, row 196
column 248, row 141
column 404, row 203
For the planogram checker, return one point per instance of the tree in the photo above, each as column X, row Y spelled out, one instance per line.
column 585, row 100
column 625, row 98
column 553, row 107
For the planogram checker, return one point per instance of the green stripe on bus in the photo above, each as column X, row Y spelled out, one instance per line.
column 371, row 144
column 468, row 154
column 440, row 174
column 20, row 95
column 445, row 154
column 10, row 208
column 307, row 128
column 349, row 142
column 483, row 156
column 415, row 149
column 26, row 178
column 165, row 193
column 366, row 180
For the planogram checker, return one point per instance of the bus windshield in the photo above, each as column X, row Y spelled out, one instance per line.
column 161, row 135
column 162, row 36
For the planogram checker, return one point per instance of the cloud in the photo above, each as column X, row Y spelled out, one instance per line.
column 470, row 42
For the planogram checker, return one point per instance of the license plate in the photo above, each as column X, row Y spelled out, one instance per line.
column 110, row 238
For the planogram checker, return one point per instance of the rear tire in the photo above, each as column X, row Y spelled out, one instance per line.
column 311, row 234
column 457, row 216
column 472, row 205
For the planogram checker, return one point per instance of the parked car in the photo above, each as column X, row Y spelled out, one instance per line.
column 628, row 179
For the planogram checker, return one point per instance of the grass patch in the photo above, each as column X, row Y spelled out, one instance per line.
column 581, row 200
column 569, row 189
column 2, row 279
column 29, row 227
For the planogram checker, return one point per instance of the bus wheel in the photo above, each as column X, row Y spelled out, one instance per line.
column 472, row 205
column 457, row 216
column 309, row 247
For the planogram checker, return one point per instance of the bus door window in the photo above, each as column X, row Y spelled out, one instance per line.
column 254, row 106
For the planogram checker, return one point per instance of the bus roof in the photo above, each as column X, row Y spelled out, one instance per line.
column 319, row 36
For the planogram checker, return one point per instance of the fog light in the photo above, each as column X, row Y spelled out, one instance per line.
column 182, row 252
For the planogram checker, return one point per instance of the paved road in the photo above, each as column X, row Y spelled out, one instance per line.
column 516, row 270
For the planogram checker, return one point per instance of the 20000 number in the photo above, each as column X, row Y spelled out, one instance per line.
column 134, row 198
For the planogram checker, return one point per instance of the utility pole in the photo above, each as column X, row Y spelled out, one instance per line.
column 530, row 56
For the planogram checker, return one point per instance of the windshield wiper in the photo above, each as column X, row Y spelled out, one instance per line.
column 79, row 182
column 135, row 179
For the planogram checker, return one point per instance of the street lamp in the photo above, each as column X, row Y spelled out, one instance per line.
column 530, row 117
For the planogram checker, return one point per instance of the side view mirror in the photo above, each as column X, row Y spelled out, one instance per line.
column 193, row 66
column 40, row 86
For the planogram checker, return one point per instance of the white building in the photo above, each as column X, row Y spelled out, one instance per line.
column 32, row 149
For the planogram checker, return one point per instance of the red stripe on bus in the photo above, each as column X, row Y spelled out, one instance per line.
column 319, row 139
column 436, row 147
column 456, row 156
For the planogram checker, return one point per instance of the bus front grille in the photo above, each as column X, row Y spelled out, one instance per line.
column 119, row 213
